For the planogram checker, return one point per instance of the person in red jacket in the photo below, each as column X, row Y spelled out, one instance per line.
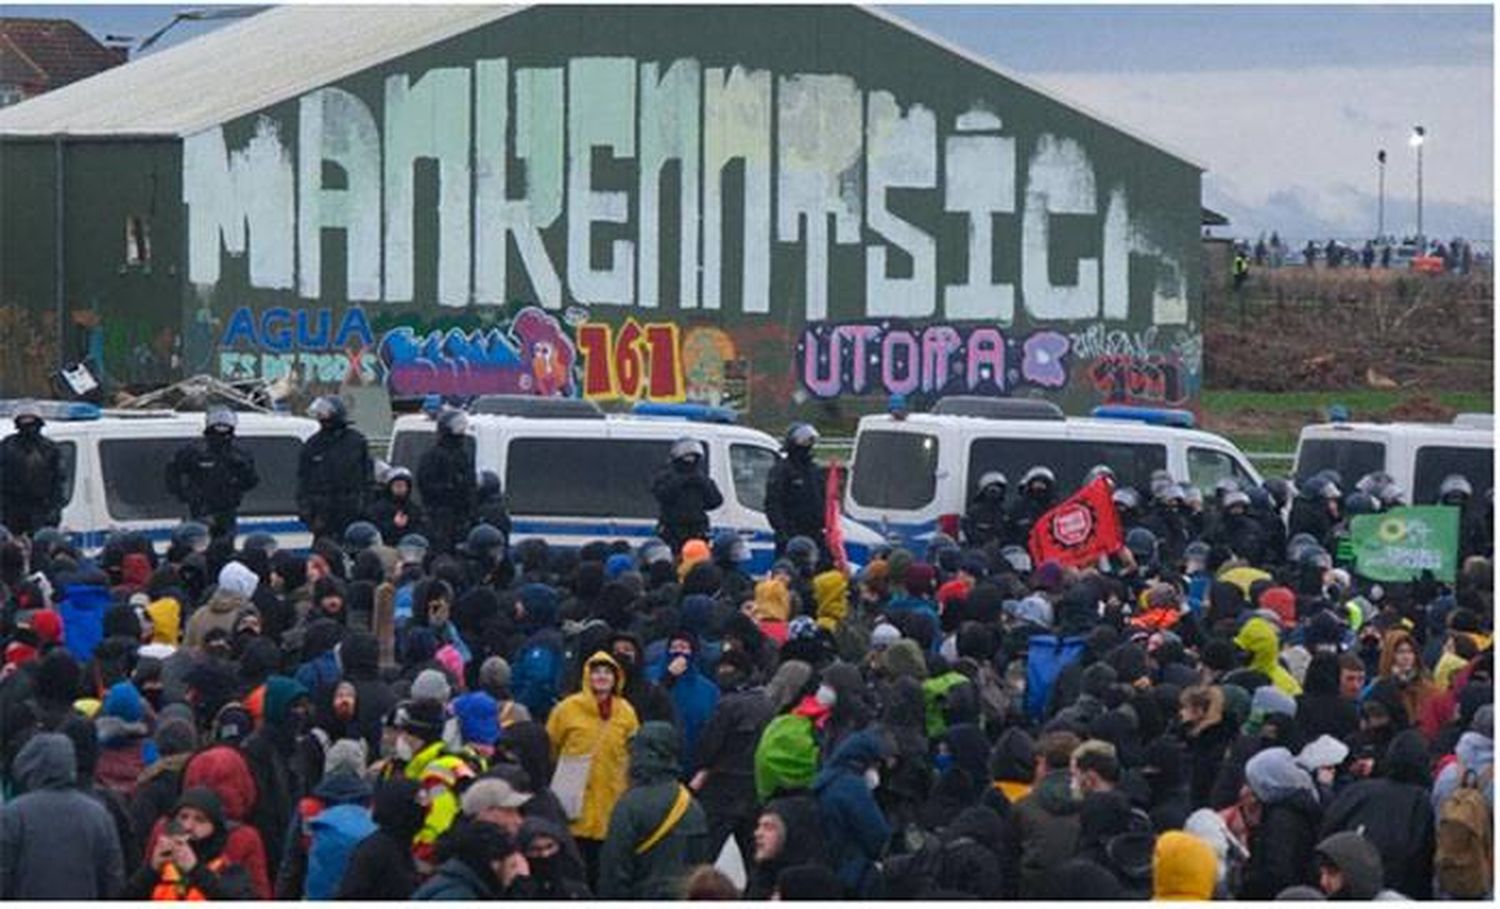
column 222, row 769
column 189, row 861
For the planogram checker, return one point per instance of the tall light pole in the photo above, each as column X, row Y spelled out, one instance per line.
column 1380, row 228
column 1418, row 139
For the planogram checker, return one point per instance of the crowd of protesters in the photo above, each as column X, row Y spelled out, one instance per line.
column 418, row 709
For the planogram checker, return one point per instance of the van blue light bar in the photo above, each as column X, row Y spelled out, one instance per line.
column 1153, row 416
column 696, row 413
column 60, row 411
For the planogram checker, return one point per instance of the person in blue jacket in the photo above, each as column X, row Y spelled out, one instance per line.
column 694, row 695
column 855, row 830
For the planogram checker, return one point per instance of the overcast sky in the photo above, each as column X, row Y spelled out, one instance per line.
column 1286, row 106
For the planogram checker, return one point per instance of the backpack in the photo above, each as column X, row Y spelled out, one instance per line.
column 534, row 678
column 786, row 757
column 1046, row 656
column 335, row 833
column 1464, row 860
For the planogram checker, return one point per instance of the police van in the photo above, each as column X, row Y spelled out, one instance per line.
column 573, row 474
column 912, row 475
column 1416, row 455
column 115, row 463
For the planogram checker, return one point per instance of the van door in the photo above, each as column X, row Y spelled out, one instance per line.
column 893, row 487
column 1435, row 462
column 745, row 501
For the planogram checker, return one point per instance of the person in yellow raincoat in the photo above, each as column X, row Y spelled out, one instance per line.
column 1258, row 638
column 590, row 733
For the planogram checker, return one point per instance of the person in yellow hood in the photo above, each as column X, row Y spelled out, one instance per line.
column 1259, row 639
column 1183, row 867
column 590, row 733
column 166, row 621
column 831, row 591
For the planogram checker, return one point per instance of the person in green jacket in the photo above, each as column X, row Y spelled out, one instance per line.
column 658, row 832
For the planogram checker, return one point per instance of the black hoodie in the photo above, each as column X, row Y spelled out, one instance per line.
column 1395, row 813
column 229, row 882
column 803, row 843
column 381, row 866
column 1320, row 709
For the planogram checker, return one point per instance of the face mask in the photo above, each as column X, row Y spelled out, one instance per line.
column 404, row 750
column 827, row 696
column 872, row 778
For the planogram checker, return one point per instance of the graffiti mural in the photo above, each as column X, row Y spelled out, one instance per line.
column 636, row 220
column 896, row 358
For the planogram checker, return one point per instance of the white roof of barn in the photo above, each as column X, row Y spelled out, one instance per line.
column 287, row 51
column 269, row 57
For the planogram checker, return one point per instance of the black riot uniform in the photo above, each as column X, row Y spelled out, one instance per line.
column 211, row 475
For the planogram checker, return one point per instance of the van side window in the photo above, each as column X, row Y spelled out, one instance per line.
column 584, row 477
column 896, row 470
column 69, row 453
column 1434, row 462
column 135, row 482
column 750, row 465
column 1069, row 460
column 1352, row 458
column 1207, row 467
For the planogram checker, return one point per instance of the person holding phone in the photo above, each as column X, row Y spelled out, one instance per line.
column 188, row 862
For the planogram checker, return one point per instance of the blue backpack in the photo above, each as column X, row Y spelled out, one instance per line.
column 335, row 833
column 1046, row 655
column 534, row 679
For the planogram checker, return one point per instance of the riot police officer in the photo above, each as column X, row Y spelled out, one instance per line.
column 984, row 519
column 211, row 475
column 447, row 482
column 334, row 471
column 795, row 490
column 685, row 494
column 1038, row 495
column 33, row 483
column 1458, row 492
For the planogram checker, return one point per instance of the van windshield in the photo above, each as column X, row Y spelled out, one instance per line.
column 584, row 477
column 1352, row 458
column 1068, row 459
column 895, row 470
column 1435, row 462
column 135, row 477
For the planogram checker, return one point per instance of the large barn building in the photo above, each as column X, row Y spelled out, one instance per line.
column 774, row 208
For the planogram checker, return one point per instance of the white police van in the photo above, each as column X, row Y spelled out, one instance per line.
column 115, row 463
column 573, row 474
column 912, row 476
column 1416, row 455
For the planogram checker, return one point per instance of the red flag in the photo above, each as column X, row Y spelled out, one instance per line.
column 1080, row 529
column 833, row 525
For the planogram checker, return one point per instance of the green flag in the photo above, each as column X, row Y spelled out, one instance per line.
column 1400, row 544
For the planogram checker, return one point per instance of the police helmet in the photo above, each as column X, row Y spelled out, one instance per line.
column 1192, row 496
column 1038, row 472
column 1280, row 490
column 412, row 547
column 992, row 478
column 1224, row 486
column 686, row 449
column 1197, row 551
column 801, row 435
column 1236, row 498
column 1017, row 558
column 654, row 550
column 1361, row 503
column 361, row 535
column 1455, row 484
column 1097, row 471
column 1373, row 481
column 397, row 473
column 28, row 412
column 220, row 419
column 802, row 550
column 1259, row 498
column 188, row 535
column 453, row 421
column 328, row 409
column 260, row 541
column 1172, row 492
column 1141, row 543
column 488, row 484
column 483, row 538
column 729, row 546
column 1391, row 495
column 1126, row 499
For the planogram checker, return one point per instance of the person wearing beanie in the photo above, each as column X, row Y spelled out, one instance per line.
column 1394, row 813
column 284, row 759
column 1183, row 867
column 236, row 585
column 478, row 862
column 478, row 717
column 725, row 781
column 1281, row 844
column 188, row 862
column 1282, row 602
column 125, row 744
column 422, row 756
column 56, row 842
column 1012, row 768
column 381, row 866
column 159, row 784
column 494, row 679
column 1349, row 867
column 431, row 685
